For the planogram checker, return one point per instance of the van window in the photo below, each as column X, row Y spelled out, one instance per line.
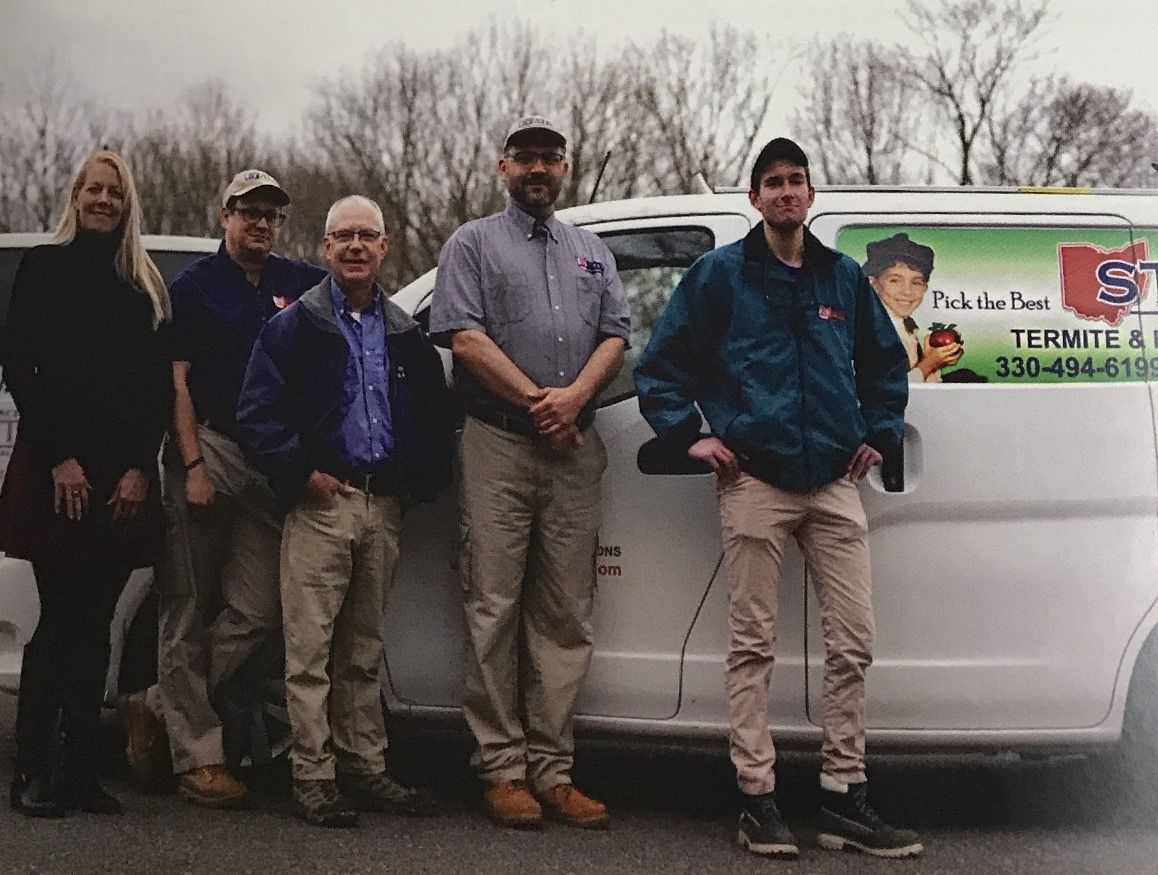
column 171, row 263
column 1012, row 304
column 650, row 263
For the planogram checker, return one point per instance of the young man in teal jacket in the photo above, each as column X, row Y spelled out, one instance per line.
column 794, row 363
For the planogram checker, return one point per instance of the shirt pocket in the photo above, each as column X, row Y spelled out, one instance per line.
column 589, row 298
column 508, row 297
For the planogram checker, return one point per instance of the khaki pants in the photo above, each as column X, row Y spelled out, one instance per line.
column 530, row 528
column 337, row 563
column 829, row 525
column 222, row 555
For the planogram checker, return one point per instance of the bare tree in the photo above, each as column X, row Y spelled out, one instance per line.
column 707, row 102
column 422, row 133
column 182, row 158
column 860, row 119
column 1060, row 132
column 971, row 48
column 43, row 137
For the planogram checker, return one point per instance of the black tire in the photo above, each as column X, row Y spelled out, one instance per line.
column 1137, row 753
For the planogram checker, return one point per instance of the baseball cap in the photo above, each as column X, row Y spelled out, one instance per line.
column 251, row 180
column 529, row 124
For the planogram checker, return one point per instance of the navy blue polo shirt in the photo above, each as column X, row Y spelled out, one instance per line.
column 217, row 315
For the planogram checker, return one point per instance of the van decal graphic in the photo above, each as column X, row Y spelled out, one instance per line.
column 1102, row 284
column 1027, row 304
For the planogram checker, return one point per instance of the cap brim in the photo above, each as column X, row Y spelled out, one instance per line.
column 277, row 196
column 536, row 136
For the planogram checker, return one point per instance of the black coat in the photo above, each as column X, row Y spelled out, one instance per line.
column 90, row 380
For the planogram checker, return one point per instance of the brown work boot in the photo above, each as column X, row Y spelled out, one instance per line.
column 144, row 737
column 510, row 803
column 212, row 787
column 565, row 803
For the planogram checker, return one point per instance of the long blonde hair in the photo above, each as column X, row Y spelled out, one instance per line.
column 132, row 260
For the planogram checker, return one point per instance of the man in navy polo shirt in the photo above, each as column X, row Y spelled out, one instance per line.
column 223, row 529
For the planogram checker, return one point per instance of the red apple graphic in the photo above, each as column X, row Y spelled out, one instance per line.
column 943, row 335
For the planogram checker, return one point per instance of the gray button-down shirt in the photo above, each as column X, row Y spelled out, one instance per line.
column 547, row 300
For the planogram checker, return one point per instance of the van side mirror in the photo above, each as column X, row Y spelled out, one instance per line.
column 893, row 468
column 657, row 457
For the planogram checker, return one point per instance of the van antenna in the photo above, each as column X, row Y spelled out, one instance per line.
column 599, row 177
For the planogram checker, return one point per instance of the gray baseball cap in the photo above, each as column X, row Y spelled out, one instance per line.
column 251, row 180
column 535, row 128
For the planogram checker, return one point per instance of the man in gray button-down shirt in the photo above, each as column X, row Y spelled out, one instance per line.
column 537, row 318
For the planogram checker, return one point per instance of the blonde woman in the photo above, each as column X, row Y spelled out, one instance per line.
column 83, row 362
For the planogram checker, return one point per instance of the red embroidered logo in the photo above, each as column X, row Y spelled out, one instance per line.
column 827, row 312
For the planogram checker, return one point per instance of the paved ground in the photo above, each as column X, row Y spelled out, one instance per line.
column 673, row 808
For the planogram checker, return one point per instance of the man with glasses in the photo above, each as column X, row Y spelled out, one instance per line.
column 345, row 408
column 538, row 321
column 217, row 578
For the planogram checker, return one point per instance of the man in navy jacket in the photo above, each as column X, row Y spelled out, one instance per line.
column 345, row 409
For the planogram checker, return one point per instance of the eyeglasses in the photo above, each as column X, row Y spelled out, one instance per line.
column 253, row 215
column 526, row 158
column 349, row 235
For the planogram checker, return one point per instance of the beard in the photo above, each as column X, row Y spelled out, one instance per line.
column 785, row 225
column 520, row 190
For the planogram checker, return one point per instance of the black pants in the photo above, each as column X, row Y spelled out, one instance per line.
column 62, row 678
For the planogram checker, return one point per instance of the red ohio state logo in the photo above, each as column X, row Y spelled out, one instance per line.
column 1103, row 284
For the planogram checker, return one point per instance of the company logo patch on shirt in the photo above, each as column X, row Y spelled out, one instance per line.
column 281, row 301
column 589, row 265
column 827, row 312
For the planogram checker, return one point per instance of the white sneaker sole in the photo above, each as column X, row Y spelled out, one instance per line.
column 831, row 842
column 768, row 849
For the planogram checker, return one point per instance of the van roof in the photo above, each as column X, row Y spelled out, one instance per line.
column 1141, row 205
column 175, row 242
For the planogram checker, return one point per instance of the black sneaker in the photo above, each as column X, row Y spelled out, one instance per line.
column 37, row 796
column 846, row 820
column 321, row 804
column 762, row 829
column 382, row 793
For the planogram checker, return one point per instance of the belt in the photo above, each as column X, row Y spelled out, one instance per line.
column 376, row 483
column 514, row 424
column 521, row 425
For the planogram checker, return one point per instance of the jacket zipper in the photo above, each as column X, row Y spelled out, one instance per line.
column 798, row 319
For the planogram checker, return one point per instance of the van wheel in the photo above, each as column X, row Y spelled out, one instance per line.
column 1137, row 752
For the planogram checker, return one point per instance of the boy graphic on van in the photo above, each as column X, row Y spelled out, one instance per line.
column 898, row 270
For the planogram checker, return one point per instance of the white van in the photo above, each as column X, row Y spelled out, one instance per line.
column 19, row 605
column 1015, row 554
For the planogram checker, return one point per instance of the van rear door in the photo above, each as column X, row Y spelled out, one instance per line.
column 1014, row 565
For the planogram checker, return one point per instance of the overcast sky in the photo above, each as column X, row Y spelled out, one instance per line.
column 141, row 53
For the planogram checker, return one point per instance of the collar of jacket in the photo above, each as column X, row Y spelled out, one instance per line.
column 818, row 258
column 315, row 303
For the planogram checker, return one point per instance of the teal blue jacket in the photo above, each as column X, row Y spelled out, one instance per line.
column 792, row 374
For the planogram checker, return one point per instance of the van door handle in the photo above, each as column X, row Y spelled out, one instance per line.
column 658, row 457
column 893, row 468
